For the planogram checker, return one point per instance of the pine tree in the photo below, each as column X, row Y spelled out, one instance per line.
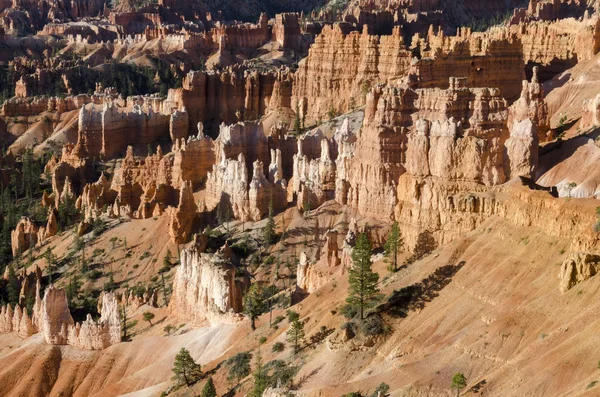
column 254, row 304
column 459, row 381
column 149, row 316
column 269, row 230
column 297, row 120
column 124, row 326
column 295, row 334
column 239, row 366
column 51, row 261
column 168, row 260
column 363, row 291
column 13, row 287
column 261, row 378
column 393, row 245
column 209, row 389
column 186, row 370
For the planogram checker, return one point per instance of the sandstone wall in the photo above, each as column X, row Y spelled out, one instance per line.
column 107, row 132
column 340, row 68
column 234, row 94
column 192, row 160
column 206, row 288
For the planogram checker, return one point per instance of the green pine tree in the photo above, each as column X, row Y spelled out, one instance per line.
column 254, row 304
column 186, row 370
column 393, row 246
column 51, row 262
column 363, row 291
column 239, row 366
column 295, row 334
column 459, row 381
column 269, row 229
column 209, row 389
column 13, row 286
column 261, row 378
column 297, row 120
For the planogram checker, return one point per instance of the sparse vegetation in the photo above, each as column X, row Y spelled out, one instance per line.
column 148, row 316
column 393, row 246
column 459, row 382
column 186, row 370
column 295, row 335
column 209, row 389
column 269, row 235
column 254, row 304
column 239, row 366
column 278, row 347
column 364, row 292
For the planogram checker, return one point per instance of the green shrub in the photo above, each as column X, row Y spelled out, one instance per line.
column 94, row 274
column 278, row 347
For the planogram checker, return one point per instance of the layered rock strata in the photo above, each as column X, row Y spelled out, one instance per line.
column 340, row 68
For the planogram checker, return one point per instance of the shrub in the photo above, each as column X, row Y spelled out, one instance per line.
column 277, row 320
column 94, row 274
column 262, row 340
column 383, row 388
column 278, row 347
column 374, row 325
column 349, row 311
column 239, row 366
column 292, row 315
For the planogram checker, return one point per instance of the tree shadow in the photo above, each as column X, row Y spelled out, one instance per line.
column 306, row 377
column 478, row 386
column 416, row 296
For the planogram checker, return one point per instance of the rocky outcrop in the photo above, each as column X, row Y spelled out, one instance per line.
column 262, row 193
column 58, row 327
column 19, row 320
column 148, row 297
column 556, row 44
column 231, row 95
column 96, row 197
column 143, row 187
column 522, row 150
column 577, row 268
column 106, row 132
column 531, row 105
column 421, row 132
column 182, row 217
column 55, row 316
column 193, row 159
column 313, row 274
column 240, row 148
column 207, row 288
column 98, row 335
column 590, row 116
column 227, row 185
column 25, row 236
column 314, row 180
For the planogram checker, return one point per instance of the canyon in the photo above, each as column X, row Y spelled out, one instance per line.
column 201, row 178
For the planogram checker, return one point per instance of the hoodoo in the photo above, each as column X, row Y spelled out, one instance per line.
column 316, row 198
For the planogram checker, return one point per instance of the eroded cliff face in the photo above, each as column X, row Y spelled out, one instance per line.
column 107, row 132
column 58, row 327
column 232, row 95
column 240, row 149
column 341, row 68
column 193, row 159
column 18, row 319
column 313, row 273
column 100, row 334
column 207, row 288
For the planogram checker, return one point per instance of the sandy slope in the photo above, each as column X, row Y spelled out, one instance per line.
column 495, row 313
